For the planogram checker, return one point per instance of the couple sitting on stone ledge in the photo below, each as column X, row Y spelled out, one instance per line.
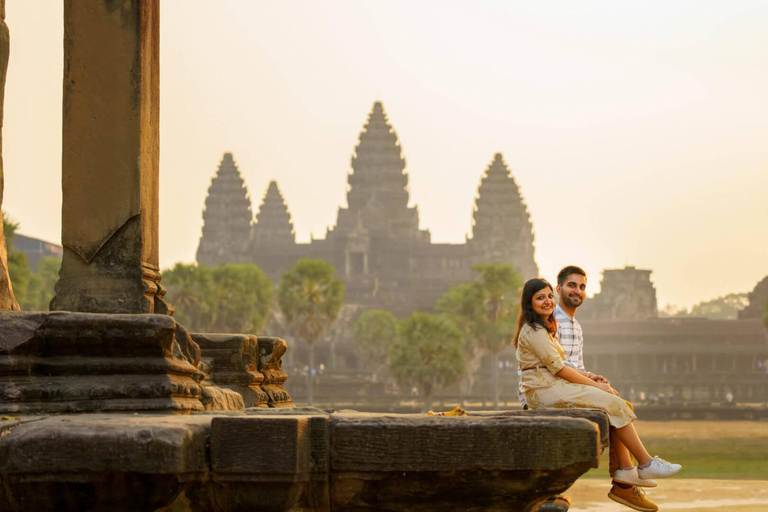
column 549, row 344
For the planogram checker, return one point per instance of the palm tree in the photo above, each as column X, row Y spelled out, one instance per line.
column 310, row 298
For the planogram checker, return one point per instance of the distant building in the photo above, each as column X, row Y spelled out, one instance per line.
column 689, row 359
column 376, row 244
column 625, row 294
column 36, row 249
column 758, row 301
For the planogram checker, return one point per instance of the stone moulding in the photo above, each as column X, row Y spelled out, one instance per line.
column 84, row 362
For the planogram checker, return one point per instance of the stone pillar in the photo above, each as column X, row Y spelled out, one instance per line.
column 7, row 300
column 110, row 158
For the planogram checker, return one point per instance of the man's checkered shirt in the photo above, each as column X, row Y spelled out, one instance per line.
column 571, row 338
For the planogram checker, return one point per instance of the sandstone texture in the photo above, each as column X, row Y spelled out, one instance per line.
column 297, row 459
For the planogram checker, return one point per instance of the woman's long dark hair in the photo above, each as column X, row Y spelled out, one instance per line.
column 527, row 314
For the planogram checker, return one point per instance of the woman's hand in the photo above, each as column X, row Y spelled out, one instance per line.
column 607, row 388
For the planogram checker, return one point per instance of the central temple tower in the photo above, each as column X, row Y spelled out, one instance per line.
column 378, row 196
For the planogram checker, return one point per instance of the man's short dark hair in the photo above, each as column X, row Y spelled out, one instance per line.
column 570, row 269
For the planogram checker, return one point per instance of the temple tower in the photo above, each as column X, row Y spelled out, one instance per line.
column 227, row 218
column 273, row 222
column 625, row 294
column 377, row 185
column 502, row 229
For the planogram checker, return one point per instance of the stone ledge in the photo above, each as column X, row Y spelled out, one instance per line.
column 289, row 459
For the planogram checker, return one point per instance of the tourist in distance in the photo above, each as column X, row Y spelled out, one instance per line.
column 546, row 381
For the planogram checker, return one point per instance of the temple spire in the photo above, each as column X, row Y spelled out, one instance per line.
column 227, row 218
column 378, row 194
column 273, row 222
column 502, row 227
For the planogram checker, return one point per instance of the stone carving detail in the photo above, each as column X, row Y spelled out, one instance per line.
column 7, row 300
column 232, row 362
column 271, row 351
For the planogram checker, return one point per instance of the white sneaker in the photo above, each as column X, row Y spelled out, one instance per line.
column 659, row 468
column 631, row 477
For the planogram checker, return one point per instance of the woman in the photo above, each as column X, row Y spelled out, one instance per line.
column 548, row 382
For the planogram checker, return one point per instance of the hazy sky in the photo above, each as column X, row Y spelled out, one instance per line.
column 637, row 131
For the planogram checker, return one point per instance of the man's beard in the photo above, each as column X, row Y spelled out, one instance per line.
column 569, row 303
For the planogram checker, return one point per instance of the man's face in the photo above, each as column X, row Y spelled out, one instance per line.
column 573, row 291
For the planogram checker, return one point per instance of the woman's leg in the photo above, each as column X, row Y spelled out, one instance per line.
column 628, row 437
column 623, row 457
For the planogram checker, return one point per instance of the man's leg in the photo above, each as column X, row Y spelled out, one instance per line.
column 629, row 495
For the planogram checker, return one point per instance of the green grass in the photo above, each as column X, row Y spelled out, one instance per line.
column 732, row 450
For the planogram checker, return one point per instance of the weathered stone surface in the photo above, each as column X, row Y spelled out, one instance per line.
column 110, row 158
column 391, row 462
column 289, row 459
column 82, row 362
column 215, row 398
column 271, row 351
column 99, row 462
column 233, row 361
column 266, row 462
column 594, row 415
column 7, row 300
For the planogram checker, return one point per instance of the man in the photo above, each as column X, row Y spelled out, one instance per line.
column 571, row 290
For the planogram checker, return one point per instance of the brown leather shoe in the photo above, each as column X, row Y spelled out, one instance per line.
column 559, row 503
column 634, row 497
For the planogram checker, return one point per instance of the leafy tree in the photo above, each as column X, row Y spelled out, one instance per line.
column 243, row 297
column 463, row 305
column 192, row 292
column 499, row 290
column 310, row 297
column 721, row 308
column 428, row 353
column 226, row 298
column 375, row 331
column 726, row 307
column 40, row 288
column 18, row 265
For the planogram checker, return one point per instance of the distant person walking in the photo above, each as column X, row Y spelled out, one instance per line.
column 546, row 381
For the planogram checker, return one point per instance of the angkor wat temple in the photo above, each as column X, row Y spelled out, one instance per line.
column 376, row 244
column 389, row 263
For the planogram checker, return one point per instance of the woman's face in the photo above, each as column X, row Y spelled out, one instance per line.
column 543, row 302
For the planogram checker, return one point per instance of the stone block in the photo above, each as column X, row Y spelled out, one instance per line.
column 82, row 362
column 398, row 462
column 266, row 462
column 99, row 462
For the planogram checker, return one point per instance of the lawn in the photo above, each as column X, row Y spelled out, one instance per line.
column 730, row 450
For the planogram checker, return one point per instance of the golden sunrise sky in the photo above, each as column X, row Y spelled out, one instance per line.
column 636, row 130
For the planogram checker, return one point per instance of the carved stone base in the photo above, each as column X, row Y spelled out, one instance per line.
column 271, row 351
column 83, row 362
column 232, row 361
